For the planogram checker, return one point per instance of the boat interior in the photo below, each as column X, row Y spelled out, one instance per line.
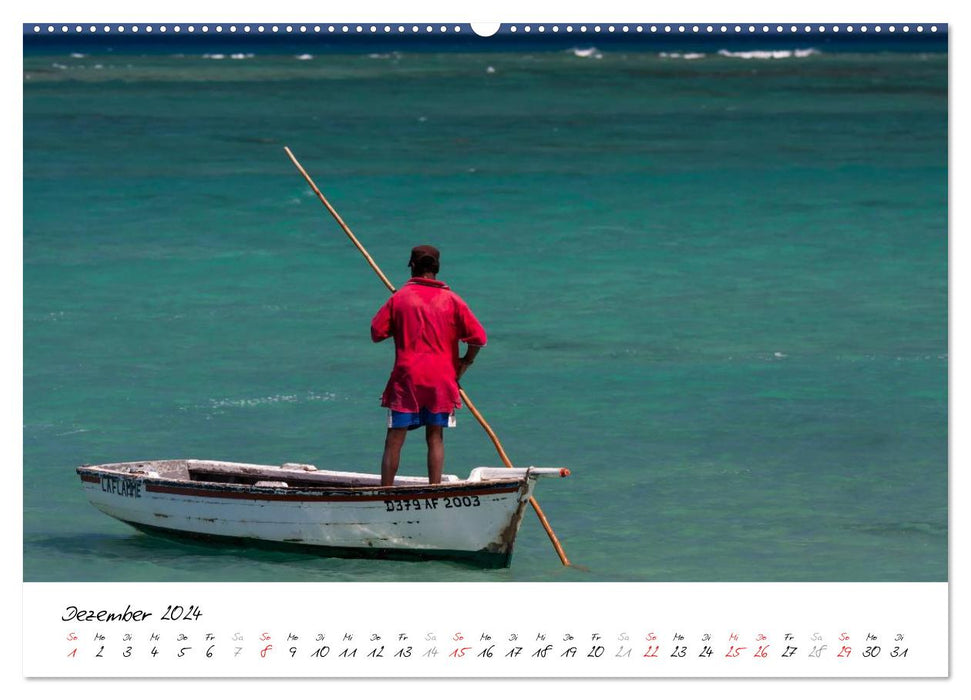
column 290, row 474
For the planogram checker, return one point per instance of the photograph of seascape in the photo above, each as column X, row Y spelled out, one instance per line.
column 713, row 270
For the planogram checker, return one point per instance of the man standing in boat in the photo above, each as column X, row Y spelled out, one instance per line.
column 427, row 321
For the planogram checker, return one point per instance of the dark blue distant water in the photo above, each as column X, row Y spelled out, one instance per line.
column 714, row 273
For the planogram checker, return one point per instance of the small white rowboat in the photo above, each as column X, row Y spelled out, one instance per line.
column 336, row 513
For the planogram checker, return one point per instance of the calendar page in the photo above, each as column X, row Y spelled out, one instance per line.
column 487, row 630
column 404, row 346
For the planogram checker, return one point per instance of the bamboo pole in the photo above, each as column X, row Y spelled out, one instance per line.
column 465, row 397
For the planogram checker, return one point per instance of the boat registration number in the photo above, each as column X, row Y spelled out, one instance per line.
column 433, row 503
column 131, row 488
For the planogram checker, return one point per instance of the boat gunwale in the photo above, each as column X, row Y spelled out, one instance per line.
column 181, row 486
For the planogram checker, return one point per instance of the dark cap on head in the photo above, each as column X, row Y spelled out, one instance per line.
column 424, row 256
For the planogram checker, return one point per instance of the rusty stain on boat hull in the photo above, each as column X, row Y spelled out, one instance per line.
column 507, row 538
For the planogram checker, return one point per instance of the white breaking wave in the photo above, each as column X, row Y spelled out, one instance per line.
column 779, row 53
column 214, row 56
column 304, row 57
column 685, row 56
column 591, row 52
column 240, row 56
column 78, row 55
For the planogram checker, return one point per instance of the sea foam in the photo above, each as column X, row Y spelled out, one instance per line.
column 309, row 396
column 685, row 56
column 591, row 52
column 776, row 54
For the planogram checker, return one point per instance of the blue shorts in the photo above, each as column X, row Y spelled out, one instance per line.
column 401, row 419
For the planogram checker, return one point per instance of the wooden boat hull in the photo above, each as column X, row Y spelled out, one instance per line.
column 468, row 520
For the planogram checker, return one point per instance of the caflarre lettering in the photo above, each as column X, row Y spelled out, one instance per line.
column 72, row 612
column 132, row 488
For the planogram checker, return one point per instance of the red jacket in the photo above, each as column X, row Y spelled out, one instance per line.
column 427, row 320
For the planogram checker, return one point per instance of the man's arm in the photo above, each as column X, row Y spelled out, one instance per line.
column 465, row 362
column 471, row 333
column 381, row 327
column 470, row 330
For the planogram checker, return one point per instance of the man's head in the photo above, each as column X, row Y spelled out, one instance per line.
column 424, row 258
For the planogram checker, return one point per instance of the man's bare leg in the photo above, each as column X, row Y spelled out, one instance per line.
column 392, row 454
column 436, row 453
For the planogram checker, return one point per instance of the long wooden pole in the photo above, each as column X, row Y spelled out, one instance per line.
column 465, row 397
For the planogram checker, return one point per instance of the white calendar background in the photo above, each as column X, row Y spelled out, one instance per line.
column 492, row 630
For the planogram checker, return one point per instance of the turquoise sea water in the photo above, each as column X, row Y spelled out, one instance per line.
column 715, row 288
